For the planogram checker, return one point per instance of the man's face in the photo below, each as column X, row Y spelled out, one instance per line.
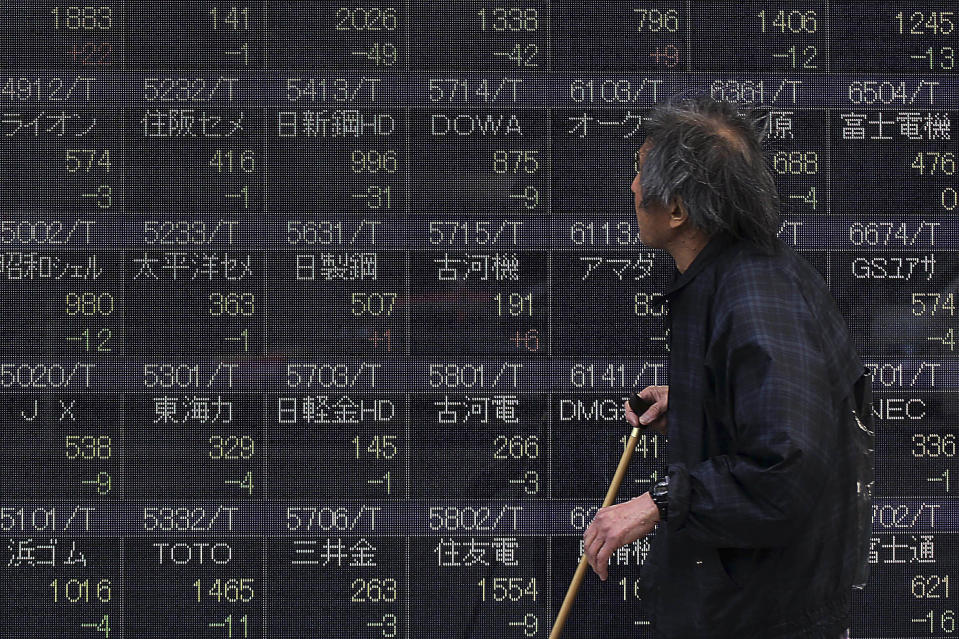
column 653, row 221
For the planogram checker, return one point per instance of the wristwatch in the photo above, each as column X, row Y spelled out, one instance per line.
column 660, row 492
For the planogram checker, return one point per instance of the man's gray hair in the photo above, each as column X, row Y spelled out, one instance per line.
column 706, row 153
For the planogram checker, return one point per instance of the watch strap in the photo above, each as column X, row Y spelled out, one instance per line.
column 660, row 496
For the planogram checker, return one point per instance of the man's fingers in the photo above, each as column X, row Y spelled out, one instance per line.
column 589, row 559
column 602, row 559
column 592, row 542
column 588, row 538
column 631, row 417
column 593, row 547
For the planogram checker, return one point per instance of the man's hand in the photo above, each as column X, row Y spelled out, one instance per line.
column 616, row 526
column 656, row 413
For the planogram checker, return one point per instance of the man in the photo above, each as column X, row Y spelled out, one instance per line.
column 758, row 532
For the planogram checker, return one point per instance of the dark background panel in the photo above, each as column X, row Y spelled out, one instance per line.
column 307, row 156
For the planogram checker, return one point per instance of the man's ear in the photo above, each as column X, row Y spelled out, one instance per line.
column 679, row 212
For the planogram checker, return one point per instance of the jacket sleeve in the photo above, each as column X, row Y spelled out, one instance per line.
column 772, row 393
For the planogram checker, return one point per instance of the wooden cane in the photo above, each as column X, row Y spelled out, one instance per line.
column 583, row 562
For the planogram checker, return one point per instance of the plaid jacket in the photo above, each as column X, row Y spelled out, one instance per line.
column 759, row 537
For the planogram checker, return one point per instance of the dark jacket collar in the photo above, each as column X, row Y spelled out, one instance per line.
column 713, row 249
